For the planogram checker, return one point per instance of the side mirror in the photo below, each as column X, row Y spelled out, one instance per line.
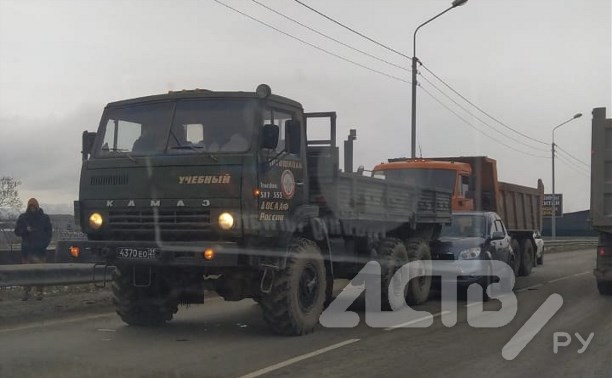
column 498, row 235
column 87, row 144
column 269, row 137
column 293, row 136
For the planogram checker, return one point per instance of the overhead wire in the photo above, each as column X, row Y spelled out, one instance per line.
column 475, row 116
column 311, row 44
column 573, row 166
column 370, row 68
column 477, row 129
column 331, row 38
column 479, row 108
column 572, row 156
column 352, row 30
column 425, row 67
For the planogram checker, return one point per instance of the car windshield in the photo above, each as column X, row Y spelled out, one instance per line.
column 188, row 126
column 465, row 226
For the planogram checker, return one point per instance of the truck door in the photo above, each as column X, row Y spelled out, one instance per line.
column 282, row 177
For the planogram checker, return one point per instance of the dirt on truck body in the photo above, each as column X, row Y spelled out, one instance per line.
column 197, row 190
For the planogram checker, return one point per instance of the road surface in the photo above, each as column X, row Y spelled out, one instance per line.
column 229, row 339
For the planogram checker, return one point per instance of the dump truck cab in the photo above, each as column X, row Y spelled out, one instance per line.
column 426, row 170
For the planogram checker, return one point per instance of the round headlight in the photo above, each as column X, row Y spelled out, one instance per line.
column 226, row 221
column 95, row 221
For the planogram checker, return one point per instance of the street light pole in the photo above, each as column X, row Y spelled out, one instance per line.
column 455, row 3
column 553, row 223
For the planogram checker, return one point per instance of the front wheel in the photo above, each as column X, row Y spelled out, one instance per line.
column 419, row 288
column 298, row 294
column 142, row 306
column 526, row 258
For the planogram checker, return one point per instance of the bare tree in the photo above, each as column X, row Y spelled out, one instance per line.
column 9, row 195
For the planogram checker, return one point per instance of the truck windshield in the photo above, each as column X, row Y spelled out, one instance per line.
column 440, row 178
column 187, row 126
column 465, row 226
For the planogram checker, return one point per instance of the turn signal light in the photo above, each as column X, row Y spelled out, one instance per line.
column 75, row 251
column 209, row 254
column 256, row 192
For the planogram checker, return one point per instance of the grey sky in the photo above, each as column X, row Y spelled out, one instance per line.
column 530, row 63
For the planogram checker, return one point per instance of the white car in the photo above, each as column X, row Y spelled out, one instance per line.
column 539, row 247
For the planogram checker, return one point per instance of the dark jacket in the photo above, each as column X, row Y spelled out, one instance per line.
column 35, row 241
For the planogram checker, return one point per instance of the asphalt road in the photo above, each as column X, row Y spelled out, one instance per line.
column 229, row 339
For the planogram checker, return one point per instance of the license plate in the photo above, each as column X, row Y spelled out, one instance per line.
column 137, row 253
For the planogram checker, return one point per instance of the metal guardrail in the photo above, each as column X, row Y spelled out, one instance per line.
column 60, row 270
column 52, row 274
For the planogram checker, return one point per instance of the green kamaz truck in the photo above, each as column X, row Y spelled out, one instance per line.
column 203, row 190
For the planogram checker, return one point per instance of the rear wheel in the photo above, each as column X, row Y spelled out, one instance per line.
column 526, row 258
column 419, row 288
column 142, row 306
column 298, row 293
column 392, row 255
column 604, row 287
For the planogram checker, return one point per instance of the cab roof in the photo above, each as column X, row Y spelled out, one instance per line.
column 405, row 163
column 202, row 93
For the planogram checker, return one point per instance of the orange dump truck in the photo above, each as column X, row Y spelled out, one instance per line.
column 476, row 188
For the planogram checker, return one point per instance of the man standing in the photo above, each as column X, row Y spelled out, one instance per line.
column 34, row 228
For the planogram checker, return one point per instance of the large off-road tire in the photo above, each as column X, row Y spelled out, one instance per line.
column 419, row 288
column 526, row 258
column 392, row 255
column 296, row 300
column 604, row 287
column 142, row 306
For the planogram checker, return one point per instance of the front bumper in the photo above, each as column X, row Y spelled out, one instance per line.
column 226, row 254
column 462, row 272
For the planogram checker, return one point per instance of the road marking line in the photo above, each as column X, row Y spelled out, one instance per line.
column 51, row 323
column 294, row 360
column 566, row 277
column 416, row 321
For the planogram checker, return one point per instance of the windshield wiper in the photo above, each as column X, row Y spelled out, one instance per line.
column 194, row 148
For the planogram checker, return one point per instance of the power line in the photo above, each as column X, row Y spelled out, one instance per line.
column 572, row 156
column 480, row 109
column 477, row 129
column 352, row 30
column 329, row 37
column 574, row 167
column 473, row 115
column 312, row 45
column 428, row 70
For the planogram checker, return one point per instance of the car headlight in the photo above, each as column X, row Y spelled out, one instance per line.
column 470, row 253
column 95, row 221
column 226, row 221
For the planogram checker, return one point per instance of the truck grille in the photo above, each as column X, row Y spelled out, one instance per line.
column 172, row 224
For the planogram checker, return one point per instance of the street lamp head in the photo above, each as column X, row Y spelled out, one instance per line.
column 458, row 3
column 577, row 115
